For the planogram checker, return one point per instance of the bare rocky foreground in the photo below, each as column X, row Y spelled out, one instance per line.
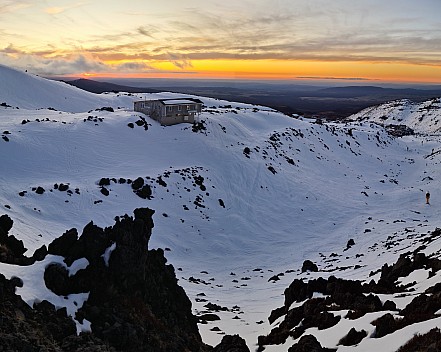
column 134, row 302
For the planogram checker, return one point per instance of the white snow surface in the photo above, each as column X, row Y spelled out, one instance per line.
column 302, row 193
column 27, row 91
column 422, row 117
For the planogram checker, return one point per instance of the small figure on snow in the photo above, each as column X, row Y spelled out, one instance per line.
column 427, row 198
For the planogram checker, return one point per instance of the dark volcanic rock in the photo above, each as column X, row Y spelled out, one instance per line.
column 62, row 187
column 384, row 325
column 430, row 342
column 138, row 183
column 358, row 298
column 322, row 320
column 308, row 343
column 296, row 292
column 56, row 279
column 106, row 108
column 350, row 243
column 39, row 190
column 145, row 192
column 40, row 253
column 12, row 249
column 15, row 246
column 209, row 317
column 232, row 343
column 346, row 294
column 5, row 225
column 421, row 308
column 105, row 181
column 62, row 244
column 353, row 337
column 104, row 191
column 134, row 302
column 40, row 329
column 389, row 305
column 309, row 266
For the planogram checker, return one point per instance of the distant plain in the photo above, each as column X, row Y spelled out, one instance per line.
column 330, row 100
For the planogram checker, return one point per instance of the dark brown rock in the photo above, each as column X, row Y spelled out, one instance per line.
column 62, row 244
column 353, row 337
column 56, row 279
column 384, row 325
column 138, row 183
column 134, row 301
column 145, row 192
column 5, row 225
column 232, row 343
column 39, row 190
column 309, row 266
column 40, row 253
column 308, row 343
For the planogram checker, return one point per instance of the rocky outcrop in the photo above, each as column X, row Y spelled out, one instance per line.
column 353, row 337
column 309, row 266
column 232, row 343
column 358, row 298
column 308, row 343
column 134, row 302
column 41, row 328
column 12, row 250
column 430, row 342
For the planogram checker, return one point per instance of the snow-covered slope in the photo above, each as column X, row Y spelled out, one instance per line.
column 27, row 91
column 422, row 117
column 247, row 197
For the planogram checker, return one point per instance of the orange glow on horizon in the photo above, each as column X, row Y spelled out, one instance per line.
column 282, row 70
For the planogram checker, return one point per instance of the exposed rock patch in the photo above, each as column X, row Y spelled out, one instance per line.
column 353, row 337
column 308, row 343
column 309, row 266
column 232, row 343
column 358, row 298
column 12, row 249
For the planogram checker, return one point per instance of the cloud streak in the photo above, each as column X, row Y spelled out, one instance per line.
column 334, row 78
column 56, row 10
column 7, row 7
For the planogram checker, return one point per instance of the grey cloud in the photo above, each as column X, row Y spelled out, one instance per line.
column 55, row 66
column 179, row 60
column 147, row 31
column 343, row 35
column 61, row 66
column 10, row 49
column 134, row 67
column 380, row 47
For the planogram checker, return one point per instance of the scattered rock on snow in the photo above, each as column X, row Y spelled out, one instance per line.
column 309, row 266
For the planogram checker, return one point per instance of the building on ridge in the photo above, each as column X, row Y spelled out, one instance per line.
column 170, row 111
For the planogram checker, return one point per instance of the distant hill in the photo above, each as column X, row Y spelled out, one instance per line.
column 358, row 91
column 101, row 87
column 333, row 103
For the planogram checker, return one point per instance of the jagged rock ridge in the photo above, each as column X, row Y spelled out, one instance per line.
column 134, row 301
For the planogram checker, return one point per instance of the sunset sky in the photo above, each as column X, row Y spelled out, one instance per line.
column 381, row 40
